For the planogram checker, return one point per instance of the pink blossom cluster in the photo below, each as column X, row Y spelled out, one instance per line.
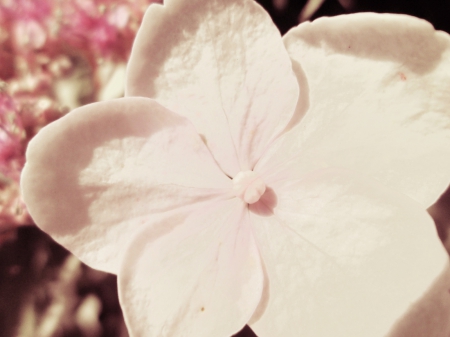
column 98, row 27
column 44, row 42
column 12, row 141
column 21, row 116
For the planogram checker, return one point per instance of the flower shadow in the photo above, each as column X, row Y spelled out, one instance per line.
column 266, row 204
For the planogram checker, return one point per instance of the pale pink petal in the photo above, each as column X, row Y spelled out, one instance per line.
column 97, row 174
column 344, row 255
column 223, row 65
column 379, row 102
column 202, row 279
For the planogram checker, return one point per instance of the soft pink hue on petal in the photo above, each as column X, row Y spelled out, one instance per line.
column 94, row 176
column 204, row 278
column 223, row 65
column 379, row 102
column 345, row 256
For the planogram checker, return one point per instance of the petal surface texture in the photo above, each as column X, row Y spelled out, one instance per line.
column 94, row 176
column 202, row 279
column 345, row 257
column 223, row 65
column 379, row 102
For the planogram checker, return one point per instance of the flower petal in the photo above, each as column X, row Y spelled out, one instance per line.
column 345, row 256
column 379, row 102
column 223, row 65
column 202, row 279
column 94, row 176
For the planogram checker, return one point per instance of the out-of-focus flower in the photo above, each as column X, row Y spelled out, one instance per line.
column 13, row 211
column 107, row 28
column 27, row 21
column 53, row 56
column 223, row 197
column 11, row 137
column 20, row 120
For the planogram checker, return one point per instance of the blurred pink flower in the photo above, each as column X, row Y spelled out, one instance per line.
column 11, row 136
column 20, row 119
column 119, row 16
column 97, row 28
column 29, row 33
column 28, row 21
column 276, row 182
column 45, row 46
column 107, row 28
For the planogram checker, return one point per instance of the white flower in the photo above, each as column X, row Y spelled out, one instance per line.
column 229, row 197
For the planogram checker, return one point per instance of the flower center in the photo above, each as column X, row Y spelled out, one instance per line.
column 248, row 186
